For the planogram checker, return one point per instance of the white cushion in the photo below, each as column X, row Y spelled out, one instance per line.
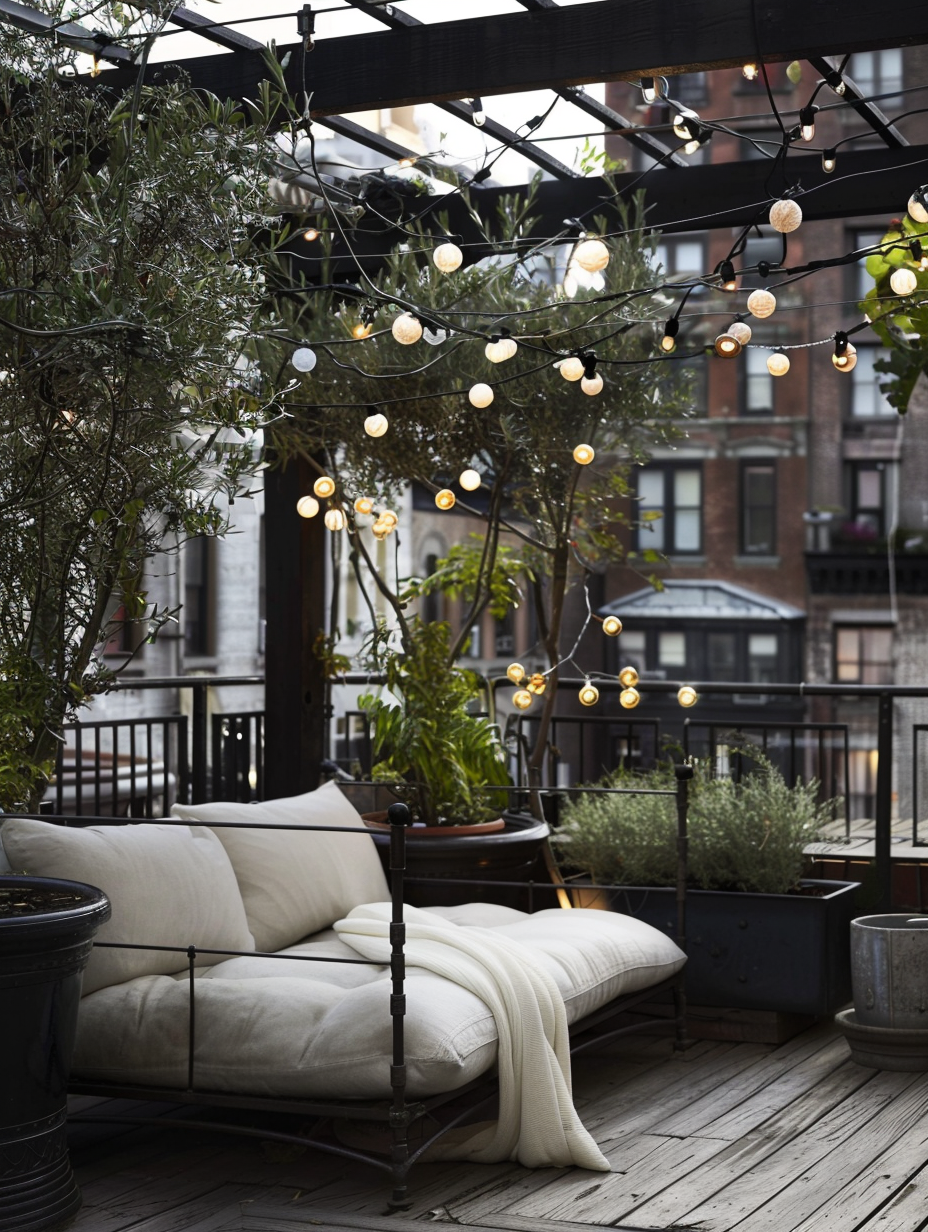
column 291, row 1028
column 296, row 882
column 168, row 885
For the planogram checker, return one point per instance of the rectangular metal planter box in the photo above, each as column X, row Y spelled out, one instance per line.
column 784, row 952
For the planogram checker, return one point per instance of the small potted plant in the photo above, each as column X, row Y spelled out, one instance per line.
column 761, row 937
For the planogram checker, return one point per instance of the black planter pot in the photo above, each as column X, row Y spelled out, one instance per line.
column 514, row 854
column 783, row 952
column 46, row 931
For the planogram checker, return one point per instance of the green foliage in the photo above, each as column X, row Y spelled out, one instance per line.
column 460, row 574
column 747, row 836
column 423, row 731
column 899, row 321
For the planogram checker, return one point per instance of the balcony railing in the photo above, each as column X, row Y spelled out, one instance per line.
column 866, row 571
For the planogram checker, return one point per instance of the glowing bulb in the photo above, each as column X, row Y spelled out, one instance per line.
column 687, row 695
column 612, row 626
column 762, row 303
column 917, row 207
column 786, row 215
column 480, row 395
column 727, row 345
column 584, row 455
column 515, row 672
column 470, row 480
column 685, row 124
column 588, row 695
column 740, row 330
column 303, row 359
column 691, row 146
column 726, row 272
column 363, row 505
column 846, row 362
column 592, row 385
column 498, row 352
column 628, row 677
column 379, row 530
column 310, row 234
column 389, row 518
column 447, row 258
column 335, row 519
column 669, row 340
column 521, row 699
column 829, row 161
column 479, row 115
column 807, row 123
column 778, row 363
column 406, row 329
column 407, row 162
column 307, row 506
column 903, row 281
column 324, row 486
column 571, row 368
column 591, row 255
column 648, row 92
column 629, row 698
column 362, row 330
column 445, row 499
column 537, row 684
column 376, row 425
column 749, row 72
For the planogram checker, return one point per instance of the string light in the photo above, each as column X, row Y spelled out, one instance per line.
column 918, row 204
column 521, row 699
column 584, row 454
column 762, row 303
column 307, row 506
column 903, row 281
column 807, row 122
column 628, row 677
column 837, row 82
column 409, row 161
column 571, row 368
column 310, row 234
column 480, row 395
column 592, row 385
column 447, row 258
column 498, row 350
column 687, row 695
column 829, row 161
column 728, row 345
column 406, row 329
column 749, row 72
column 669, row 340
column 686, row 124
column 726, row 272
column 612, row 626
column 376, row 425
column 363, row 505
column 648, row 92
column 389, row 518
column 537, row 684
column 591, row 255
column 362, row 330
column 335, row 519
column 445, row 499
column 479, row 115
column 629, row 698
column 303, row 359
column 588, row 695
column 470, row 480
column 324, row 486
column 515, row 672
column 785, row 215
column 845, row 356
column 778, row 363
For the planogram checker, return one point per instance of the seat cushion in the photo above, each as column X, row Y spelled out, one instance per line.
column 287, row 1027
column 168, row 885
column 296, row 882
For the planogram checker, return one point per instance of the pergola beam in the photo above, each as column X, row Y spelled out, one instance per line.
column 70, row 33
column 866, row 110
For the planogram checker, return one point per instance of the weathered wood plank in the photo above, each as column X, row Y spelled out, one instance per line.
column 905, row 1210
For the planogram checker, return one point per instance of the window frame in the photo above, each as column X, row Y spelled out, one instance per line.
column 747, row 466
column 868, row 353
column 746, row 377
column 205, row 645
column 669, row 508
column 862, row 661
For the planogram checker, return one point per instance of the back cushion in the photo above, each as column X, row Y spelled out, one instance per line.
column 296, row 882
column 168, row 885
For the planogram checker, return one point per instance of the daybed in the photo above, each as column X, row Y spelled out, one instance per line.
column 243, row 882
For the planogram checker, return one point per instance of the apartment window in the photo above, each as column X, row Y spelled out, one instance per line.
column 689, row 88
column 867, row 482
column 632, row 649
column 763, row 652
column 758, row 509
column 722, row 655
column 758, row 383
column 764, row 247
column 670, row 508
column 198, row 596
column 864, row 655
column 878, row 72
column 504, row 638
column 671, row 650
column 862, row 281
column 867, row 399
column 681, row 257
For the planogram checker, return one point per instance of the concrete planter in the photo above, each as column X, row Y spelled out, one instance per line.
column 889, row 969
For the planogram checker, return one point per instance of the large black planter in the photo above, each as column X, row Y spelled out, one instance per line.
column 783, row 952
column 511, row 855
column 46, row 931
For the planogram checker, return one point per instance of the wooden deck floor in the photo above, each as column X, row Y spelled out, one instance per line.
column 753, row 1137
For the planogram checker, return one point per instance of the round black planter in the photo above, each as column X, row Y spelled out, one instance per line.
column 513, row 854
column 46, row 932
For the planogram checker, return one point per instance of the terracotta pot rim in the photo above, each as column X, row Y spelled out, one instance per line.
column 376, row 821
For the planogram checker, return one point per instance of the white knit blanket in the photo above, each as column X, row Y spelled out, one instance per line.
column 538, row 1125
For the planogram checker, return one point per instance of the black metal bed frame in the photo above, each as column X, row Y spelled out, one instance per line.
column 398, row 1113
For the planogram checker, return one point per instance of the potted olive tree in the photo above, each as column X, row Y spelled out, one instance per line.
column 761, row 936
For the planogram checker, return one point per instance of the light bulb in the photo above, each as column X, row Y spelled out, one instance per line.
column 592, row 385
column 521, row 699
column 727, row 345
column 447, row 258
column 903, row 281
column 588, row 695
column 749, row 72
column 629, row 698
column 669, row 340
column 479, row 115
column 584, row 454
column 628, row 677
column 499, row 351
column 324, row 486
column 406, row 328
column 571, row 368
column 591, row 255
column 435, row 337
column 762, row 303
column 537, row 684
column 847, row 361
column 445, row 499
column 726, row 272
column 470, row 480
column 692, row 146
column 409, row 161
column 778, row 363
column 807, row 122
column 310, row 234
column 363, row 505
column 362, row 330
column 480, row 395
column 648, row 92
column 829, row 161
column 740, row 330
column 917, row 207
column 335, row 519
column 785, row 215
column 687, row 695
column 307, row 506
column 685, row 124
column 612, row 626
column 379, row 530
column 389, row 518
column 303, row 359
column 515, row 672
column 376, row 425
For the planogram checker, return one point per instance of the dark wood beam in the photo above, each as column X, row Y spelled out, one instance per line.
column 866, row 110
column 69, row 33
